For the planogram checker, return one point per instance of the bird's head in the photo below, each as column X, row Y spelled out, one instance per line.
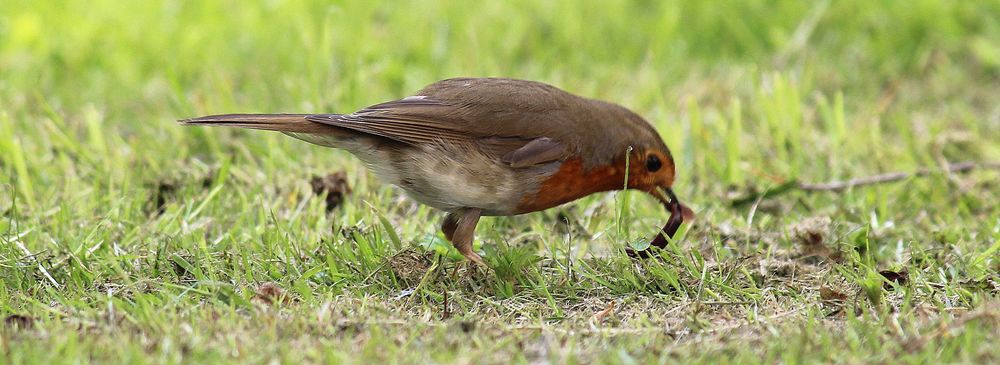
column 650, row 165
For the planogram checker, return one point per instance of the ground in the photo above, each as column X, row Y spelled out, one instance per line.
column 127, row 238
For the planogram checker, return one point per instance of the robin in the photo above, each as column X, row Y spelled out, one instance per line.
column 476, row 147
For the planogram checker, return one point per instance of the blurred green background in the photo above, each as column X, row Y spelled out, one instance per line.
column 137, row 66
column 101, row 192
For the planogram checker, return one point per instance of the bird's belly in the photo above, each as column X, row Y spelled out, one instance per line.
column 449, row 181
column 446, row 177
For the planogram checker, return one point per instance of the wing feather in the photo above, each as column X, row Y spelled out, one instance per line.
column 423, row 120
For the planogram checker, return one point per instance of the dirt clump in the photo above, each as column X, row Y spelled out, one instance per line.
column 811, row 234
column 335, row 187
column 270, row 293
column 410, row 265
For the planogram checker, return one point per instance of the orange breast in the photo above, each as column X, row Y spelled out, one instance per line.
column 573, row 182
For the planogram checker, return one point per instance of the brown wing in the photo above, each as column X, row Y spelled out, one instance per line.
column 538, row 151
column 519, row 124
column 412, row 121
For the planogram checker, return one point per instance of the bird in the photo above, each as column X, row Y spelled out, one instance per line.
column 474, row 147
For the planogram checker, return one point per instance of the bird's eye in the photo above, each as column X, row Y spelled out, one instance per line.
column 653, row 163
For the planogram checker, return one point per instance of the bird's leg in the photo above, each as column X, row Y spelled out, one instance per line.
column 460, row 228
column 448, row 225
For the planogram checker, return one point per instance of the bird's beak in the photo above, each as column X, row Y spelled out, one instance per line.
column 666, row 196
column 670, row 202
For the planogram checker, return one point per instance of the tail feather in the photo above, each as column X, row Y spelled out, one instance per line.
column 288, row 123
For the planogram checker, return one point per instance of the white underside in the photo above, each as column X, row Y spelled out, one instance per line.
column 446, row 178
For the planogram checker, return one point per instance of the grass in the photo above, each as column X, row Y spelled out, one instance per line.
column 126, row 238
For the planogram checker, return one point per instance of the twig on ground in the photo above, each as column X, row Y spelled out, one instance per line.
column 598, row 317
column 896, row 176
column 447, row 311
column 837, row 186
column 41, row 268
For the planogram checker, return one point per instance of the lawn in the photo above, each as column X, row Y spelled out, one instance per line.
column 127, row 238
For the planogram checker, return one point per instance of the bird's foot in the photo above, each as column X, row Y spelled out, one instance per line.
column 471, row 263
column 473, row 256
